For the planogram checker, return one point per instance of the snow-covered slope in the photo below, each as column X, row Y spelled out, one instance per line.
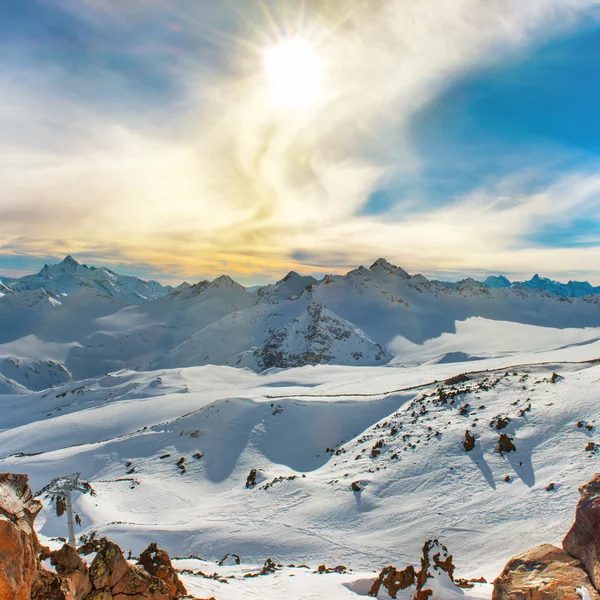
column 32, row 374
column 310, row 433
column 136, row 335
column 315, row 336
column 70, row 277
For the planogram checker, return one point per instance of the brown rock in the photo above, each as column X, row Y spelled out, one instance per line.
column 108, row 566
column 49, row 586
column 505, row 444
column 18, row 541
column 103, row 594
column 583, row 540
column 71, row 568
column 136, row 584
column 394, row 581
column 435, row 562
column 469, row 441
column 542, row 573
column 158, row 563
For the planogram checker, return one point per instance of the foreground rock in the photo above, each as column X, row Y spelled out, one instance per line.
column 18, row 541
column 433, row 581
column 583, row 540
column 110, row 577
column 543, row 573
column 550, row 573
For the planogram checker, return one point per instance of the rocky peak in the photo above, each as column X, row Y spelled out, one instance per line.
column 223, row 282
column 499, row 281
column 69, row 262
column 381, row 264
column 290, row 275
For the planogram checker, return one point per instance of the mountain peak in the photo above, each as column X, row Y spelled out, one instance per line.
column 290, row 275
column 69, row 261
column 381, row 264
column 497, row 281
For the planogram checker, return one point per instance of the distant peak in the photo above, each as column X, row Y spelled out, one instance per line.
column 69, row 261
column 224, row 281
column 290, row 275
column 381, row 264
column 497, row 281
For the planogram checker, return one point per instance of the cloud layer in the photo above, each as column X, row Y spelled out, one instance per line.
column 159, row 140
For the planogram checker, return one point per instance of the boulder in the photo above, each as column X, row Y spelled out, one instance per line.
column 394, row 581
column 158, row 563
column 108, row 566
column 505, row 444
column 49, row 586
column 583, row 540
column 469, row 441
column 136, row 584
column 18, row 540
column 437, row 572
column 543, row 573
column 72, row 570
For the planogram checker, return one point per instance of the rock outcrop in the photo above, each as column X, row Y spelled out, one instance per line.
column 543, row 573
column 158, row 563
column 550, row 573
column 435, row 576
column 583, row 540
column 18, row 541
column 110, row 577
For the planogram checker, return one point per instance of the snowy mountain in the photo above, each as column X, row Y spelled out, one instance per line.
column 497, row 282
column 70, row 277
column 573, row 289
column 366, row 317
column 32, row 374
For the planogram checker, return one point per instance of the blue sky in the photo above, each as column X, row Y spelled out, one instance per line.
column 147, row 136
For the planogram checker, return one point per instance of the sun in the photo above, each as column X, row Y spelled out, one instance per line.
column 294, row 70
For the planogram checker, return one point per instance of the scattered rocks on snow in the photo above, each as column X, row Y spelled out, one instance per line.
column 269, row 567
column 230, row 559
column 462, row 378
column 583, row 424
column 500, row 422
column 251, row 479
column 339, row 570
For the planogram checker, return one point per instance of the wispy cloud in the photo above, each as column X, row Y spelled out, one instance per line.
column 212, row 176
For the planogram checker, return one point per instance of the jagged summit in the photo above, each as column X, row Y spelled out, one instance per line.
column 70, row 277
column 223, row 281
column 381, row 264
column 290, row 275
column 497, row 281
column 69, row 261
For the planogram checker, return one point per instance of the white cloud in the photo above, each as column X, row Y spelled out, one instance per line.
column 225, row 180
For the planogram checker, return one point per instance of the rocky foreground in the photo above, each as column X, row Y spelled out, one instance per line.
column 30, row 571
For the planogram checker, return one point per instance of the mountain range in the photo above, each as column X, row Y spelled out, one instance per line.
column 92, row 320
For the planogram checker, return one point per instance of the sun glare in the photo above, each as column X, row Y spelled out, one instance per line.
column 294, row 71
